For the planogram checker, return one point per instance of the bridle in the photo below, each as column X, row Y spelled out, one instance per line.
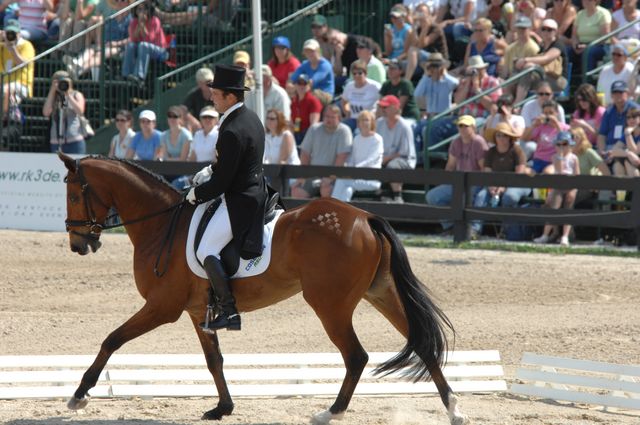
column 95, row 227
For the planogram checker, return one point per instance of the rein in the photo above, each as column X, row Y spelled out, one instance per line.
column 95, row 228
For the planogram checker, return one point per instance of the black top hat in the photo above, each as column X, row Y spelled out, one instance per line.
column 228, row 77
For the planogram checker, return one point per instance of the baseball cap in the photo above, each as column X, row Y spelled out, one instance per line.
column 302, row 78
column 209, row 111
column 395, row 63
column 204, row 75
column 12, row 25
column 319, row 20
column 398, row 11
column 564, row 136
column 619, row 86
column 241, row 56
column 523, row 22
column 466, row 120
column 363, row 43
column 549, row 23
column 311, row 44
column 389, row 100
column 147, row 115
column 281, row 40
column 620, row 47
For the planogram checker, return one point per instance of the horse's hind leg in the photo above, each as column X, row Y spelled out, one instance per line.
column 337, row 323
column 145, row 320
column 213, row 356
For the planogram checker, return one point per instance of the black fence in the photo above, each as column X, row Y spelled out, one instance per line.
column 461, row 211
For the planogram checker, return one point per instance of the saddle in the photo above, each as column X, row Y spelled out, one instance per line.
column 230, row 254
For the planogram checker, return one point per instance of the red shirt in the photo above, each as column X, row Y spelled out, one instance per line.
column 282, row 70
column 303, row 108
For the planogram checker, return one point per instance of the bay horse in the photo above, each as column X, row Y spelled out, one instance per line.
column 333, row 253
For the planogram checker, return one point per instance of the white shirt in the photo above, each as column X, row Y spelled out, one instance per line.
column 361, row 98
column 227, row 113
column 366, row 151
column 532, row 110
column 608, row 76
column 121, row 146
column 278, row 99
column 204, row 147
column 272, row 147
column 632, row 32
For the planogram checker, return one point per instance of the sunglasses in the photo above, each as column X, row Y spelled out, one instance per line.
column 358, row 73
column 173, row 116
column 542, row 93
column 617, row 54
column 206, row 117
column 562, row 145
column 462, row 126
column 272, row 118
column 121, row 120
column 547, row 29
column 478, row 30
column 317, row 26
column 503, row 135
column 145, row 121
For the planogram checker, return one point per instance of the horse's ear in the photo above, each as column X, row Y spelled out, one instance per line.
column 69, row 162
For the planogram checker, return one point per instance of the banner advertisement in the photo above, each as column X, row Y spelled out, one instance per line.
column 32, row 191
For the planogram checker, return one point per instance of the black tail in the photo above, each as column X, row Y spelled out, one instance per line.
column 427, row 341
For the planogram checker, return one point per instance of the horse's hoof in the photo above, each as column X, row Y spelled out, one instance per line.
column 78, row 403
column 323, row 418
column 460, row 420
column 217, row 413
column 456, row 417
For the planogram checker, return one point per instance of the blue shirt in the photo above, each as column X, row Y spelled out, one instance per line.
column 613, row 123
column 146, row 148
column 438, row 94
column 398, row 38
column 322, row 76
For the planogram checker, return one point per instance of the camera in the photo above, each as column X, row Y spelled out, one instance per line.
column 546, row 120
column 471, row 72
column 63, row 85
column 11, row 35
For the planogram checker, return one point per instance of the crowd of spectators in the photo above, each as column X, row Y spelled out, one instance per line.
column 346, row 99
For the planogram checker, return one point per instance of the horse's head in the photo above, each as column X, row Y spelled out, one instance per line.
column 86, row 213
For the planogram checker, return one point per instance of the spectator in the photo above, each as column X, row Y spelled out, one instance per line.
column 320, row 30
column 503, row 113
column 466, row 153
column 504, row 156
column 344, row 54
column 305, row 108
column 588, row 113
column 64, row 106
column 426, row 38
column 524, row 47
column 175, row 142
column 146, row 43
column 367, row 152
column 622, row 156
column 121, row 141
column 375, row 69
column 533, row 108
column 614, row 119
column 326, row 143
column 198, row 98
column 485, row 44
column 435, row 89
column 401, row 88
column 275, row 97
column 242, row 59
column 591, row 164
column 319, row 71
column 203, row 146
column 397, row 135
column 359, row 95
column 627, row 13
column 116, row 37
column 32, row 17
column 526, row 9
column 543, row 132
column 619, row 70
column 564, row 13
column 501, row 14
column 458, row 29
column 550, row 62
column 145, row 145
column 397, row 34
column 475, row 81
column 76, row 16
column 592, row 22
column 282, row 63
column 564, row 162
column 279, row 143
column 18, row 85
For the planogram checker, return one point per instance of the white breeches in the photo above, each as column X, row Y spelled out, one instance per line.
column 217, row 235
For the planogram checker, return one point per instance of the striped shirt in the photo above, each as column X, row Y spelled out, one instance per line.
column 32, row 15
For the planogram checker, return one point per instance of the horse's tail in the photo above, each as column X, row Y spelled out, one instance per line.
column 427, row 340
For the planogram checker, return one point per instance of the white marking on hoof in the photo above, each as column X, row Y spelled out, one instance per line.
column 323, row 418
column 455, row 415
column 77, row 404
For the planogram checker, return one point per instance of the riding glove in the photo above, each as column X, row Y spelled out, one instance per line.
column 203, row 175
column 191, row 196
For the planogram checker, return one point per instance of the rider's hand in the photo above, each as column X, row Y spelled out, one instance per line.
column 191, row 196
column 203, row 175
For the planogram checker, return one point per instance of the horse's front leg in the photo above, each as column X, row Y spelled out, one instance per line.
column 145, row 320
column 211, row 347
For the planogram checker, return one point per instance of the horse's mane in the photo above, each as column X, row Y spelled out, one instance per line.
column 137, row 166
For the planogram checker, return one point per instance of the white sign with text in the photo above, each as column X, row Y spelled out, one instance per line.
column 32, row 191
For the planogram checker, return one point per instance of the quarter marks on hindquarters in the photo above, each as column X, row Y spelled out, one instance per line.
column 328, row 220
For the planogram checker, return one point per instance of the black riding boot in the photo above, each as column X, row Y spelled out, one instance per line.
column 228, row 318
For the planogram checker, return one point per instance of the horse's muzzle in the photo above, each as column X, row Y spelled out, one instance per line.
column 83, row 246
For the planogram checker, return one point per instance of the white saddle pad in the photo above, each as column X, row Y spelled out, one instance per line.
column 247, row 268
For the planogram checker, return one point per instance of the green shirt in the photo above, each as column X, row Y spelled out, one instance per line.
column 589, row 161
column 404, row 88
column 588, row 27
column 86, row 3
column 376, row 71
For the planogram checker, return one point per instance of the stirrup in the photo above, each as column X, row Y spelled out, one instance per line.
column 230, row 322
column 208, row 319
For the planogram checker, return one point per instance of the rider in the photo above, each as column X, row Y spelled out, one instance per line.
column 237, row 176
